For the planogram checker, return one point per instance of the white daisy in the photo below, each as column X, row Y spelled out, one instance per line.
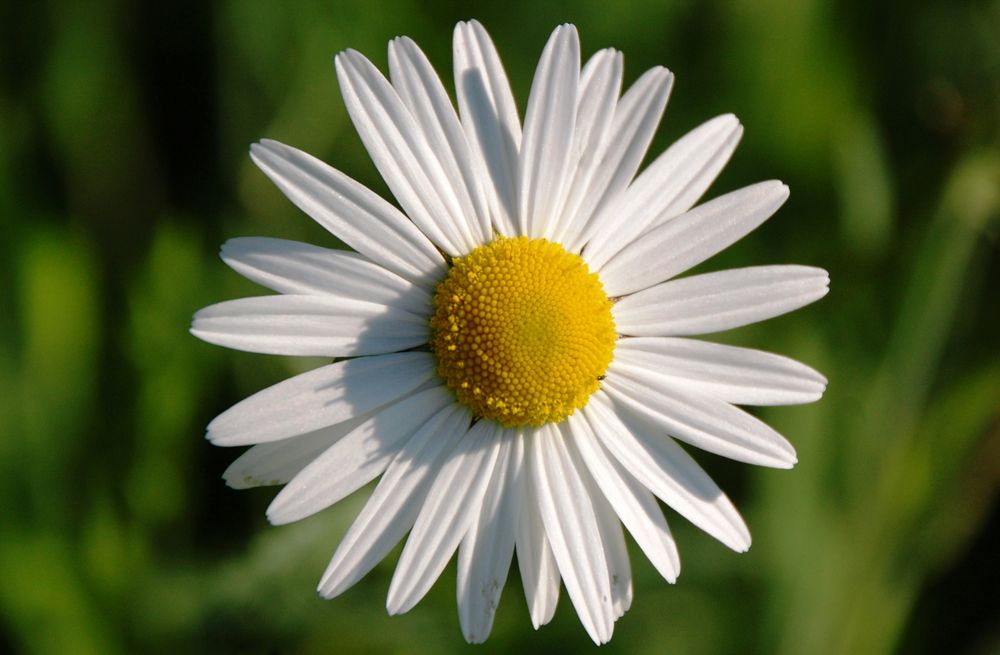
column 511, row 348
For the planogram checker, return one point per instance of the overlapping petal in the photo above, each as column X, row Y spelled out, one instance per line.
column 634, row 504
column 636, row 117
column 600, row 84
column 539, row 573
column 485, row 553
column 299, row 268
column 490, row 120
column 324, row 396
column 573, row 533
column 549, row 125
column 309, row 325
column 351, row 212
column 736, row 375
column 421, row 91
column 691, row 238
column 403, row 155
column 703, row 421
column 359, row 457
column 277, row 462
column 668, row 187
column 394, row 505
column 663, row 467
column 719, row 301
column 450, row 508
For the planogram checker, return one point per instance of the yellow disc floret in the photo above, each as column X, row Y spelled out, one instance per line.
column 522, row 331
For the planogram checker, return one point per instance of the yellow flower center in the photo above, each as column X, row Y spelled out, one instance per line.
column 522, row 331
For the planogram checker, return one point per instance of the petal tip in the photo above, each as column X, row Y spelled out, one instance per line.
column 197, row 332
column 212, row 437
column 394, row 607
column 278, row 513
column 327, row 587
column 232, row 248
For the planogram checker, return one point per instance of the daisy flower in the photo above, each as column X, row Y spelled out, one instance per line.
column 511, row 345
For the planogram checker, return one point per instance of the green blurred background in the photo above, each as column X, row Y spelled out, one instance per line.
column 124, row 130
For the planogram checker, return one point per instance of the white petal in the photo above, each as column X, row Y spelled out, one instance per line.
column 539, row 573
column 402, row 154
column 600, row 84
column 737, row 375
column 718, row 301
column 359, row 457
column 691, row 238
column 703, row 421
column 421, row 91
column 549, row 124
column 324, row 396
column 665, row 469
column 693, row 163
column 490, row 119
column 615, row 551
column 450, row 507
column 394, row 505
column 309, row 325
column 353, row 213
column 300, row 268
column 668, row 187
column 635, row 119
column 277, row 462
column 572, row 530
column 599, row 87
column 485, row 554
column 635, row 506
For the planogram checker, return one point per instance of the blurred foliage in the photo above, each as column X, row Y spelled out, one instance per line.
column 123, row 136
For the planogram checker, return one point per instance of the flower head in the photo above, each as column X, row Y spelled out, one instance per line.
column 512, row 351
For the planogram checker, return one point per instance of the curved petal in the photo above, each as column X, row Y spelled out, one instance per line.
column 402, row 154
column 663, row 467
column 718, row 301
column 359, row 457
column 394, row 505
column 549, row 124
column 309, row 325
column 539, row 573
column 691, row 238
column 490, row 119
column 599, row 87
column 450, row 508
column 636, row 117
column 324, row 396
column 600, row 84
column 292, row 267
column 421, row 91
column 634, row 504
column 737, row 375
column 351, row 212
column 485, row 554
column 277, row 462
column 703, row 421
column 668, row 187
column 573, row 532
column 610, row 529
